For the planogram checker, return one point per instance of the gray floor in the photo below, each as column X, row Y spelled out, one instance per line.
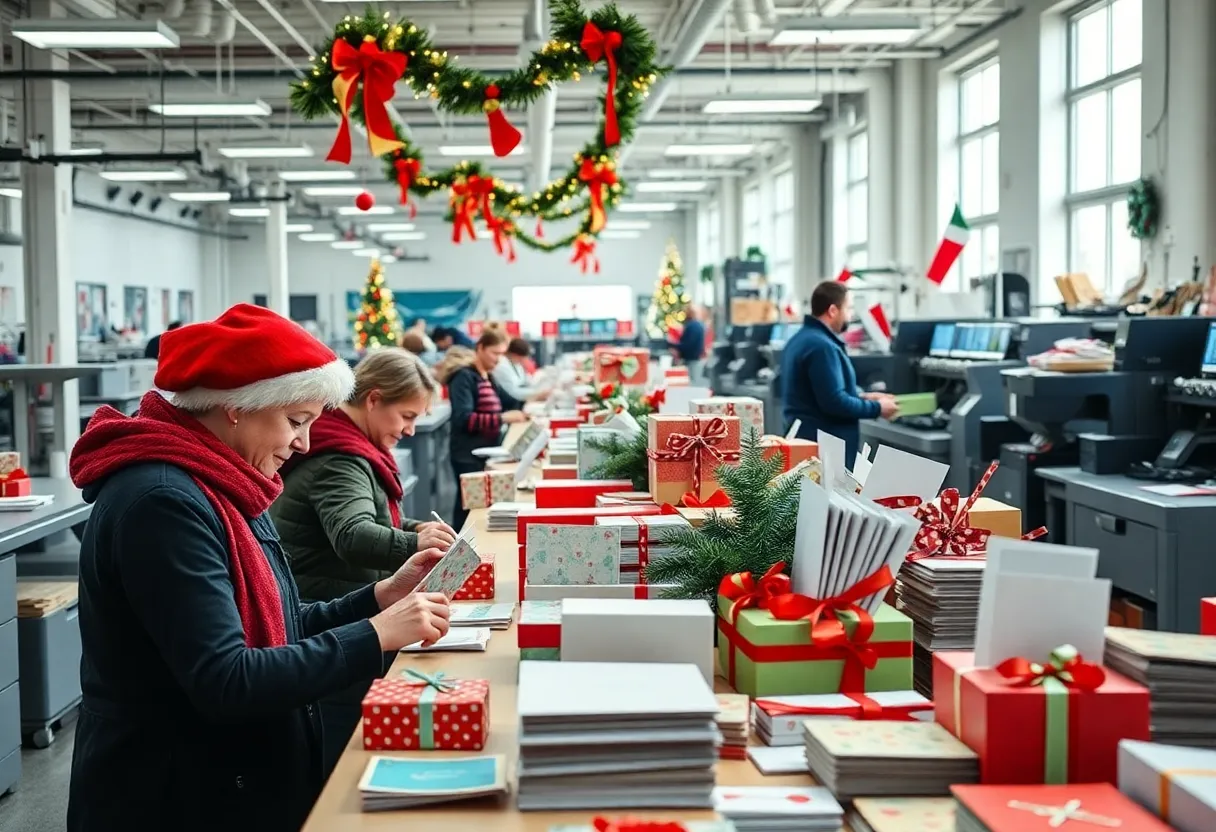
column 40, row 803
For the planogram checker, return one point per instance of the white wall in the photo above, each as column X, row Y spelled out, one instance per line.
column 316, row 268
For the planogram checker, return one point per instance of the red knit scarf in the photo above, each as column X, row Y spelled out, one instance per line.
column 236, row 490
column 335, row 432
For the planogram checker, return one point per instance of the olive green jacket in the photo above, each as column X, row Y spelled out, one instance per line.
column 334, row 523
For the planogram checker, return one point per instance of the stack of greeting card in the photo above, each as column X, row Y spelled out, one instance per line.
column 779, row 808
column 643, row 539
column 472, row 614
column 881, row 758
column 615, row 736
column 902, row 814
column 733, row 722
column 501, row 516
column 1033, row 700
column 779, row 719
column 1176, row 783
column 390, row 783
column 1089, row 806
column 566, row 554
column 1180, row 671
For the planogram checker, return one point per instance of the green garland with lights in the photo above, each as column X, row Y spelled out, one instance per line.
column 430, row 73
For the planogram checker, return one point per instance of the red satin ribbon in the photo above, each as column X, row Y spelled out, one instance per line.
column 503, row 244
column 597, row 178
column 744, row 591
column 1074, row 673
column 15, row 475
column 794, row 607
column 608, row 391
column 600, row 824
column 702, row 442
column 468, row 195
column 866, row 708
column 668, row 508
column 657, row 399
column 407, row 172
column 716, row 500
column 584, row 254
column 597, row 44
column 379, row 71
column 504, row 137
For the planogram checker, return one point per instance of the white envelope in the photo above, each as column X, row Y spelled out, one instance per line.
column 788, row 759
column 810, row 538
column 624, row 422
column 679, row 399
column 831, row 455
column 1007, row 556
column 529, row 456
column 1031, row 615
column 896, row 473
column 862, row 464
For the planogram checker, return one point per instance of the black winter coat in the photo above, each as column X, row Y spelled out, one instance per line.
column 181, row 725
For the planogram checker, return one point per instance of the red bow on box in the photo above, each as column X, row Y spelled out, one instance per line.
column 702, row 442
column 407, row 171
column 379, row 71
column 14, row 475
column 744, row 591
column 716, row 500
column 633, row 825
column 794, row 607
column 1064, row 665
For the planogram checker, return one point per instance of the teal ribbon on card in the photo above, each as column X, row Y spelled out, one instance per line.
column 432, row 684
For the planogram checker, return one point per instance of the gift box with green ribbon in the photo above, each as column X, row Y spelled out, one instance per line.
column 773, row 642
column 1054, row 722
column 422, row 711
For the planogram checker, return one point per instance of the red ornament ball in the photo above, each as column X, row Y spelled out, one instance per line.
column 365, row 201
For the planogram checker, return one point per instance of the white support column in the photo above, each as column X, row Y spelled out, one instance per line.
column 728, row 212
column 50, row 287
column 276, row 256
column 880, row 179
column 212, row 288
column 806, row 154
column 909, row 164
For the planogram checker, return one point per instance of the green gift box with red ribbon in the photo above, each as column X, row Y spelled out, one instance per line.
column 772, row 642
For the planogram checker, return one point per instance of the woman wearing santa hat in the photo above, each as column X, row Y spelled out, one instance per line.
column 200, row 665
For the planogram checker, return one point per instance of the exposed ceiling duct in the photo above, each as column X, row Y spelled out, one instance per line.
column 702, row 22
column 543, row 112
column 747, row 17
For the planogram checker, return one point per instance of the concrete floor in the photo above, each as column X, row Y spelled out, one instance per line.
column 40, row 802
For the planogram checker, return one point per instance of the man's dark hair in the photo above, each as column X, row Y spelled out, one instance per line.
column 441, row 333
column 174, row 325
column 827, row 294
column 520, row 347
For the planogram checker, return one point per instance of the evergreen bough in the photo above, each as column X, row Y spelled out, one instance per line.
column 626, row 458
column 759, row 533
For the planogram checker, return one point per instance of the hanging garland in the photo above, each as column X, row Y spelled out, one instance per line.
column 372, row 53
column 1143, row 209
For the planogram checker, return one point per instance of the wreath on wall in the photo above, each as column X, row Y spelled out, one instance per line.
column 1143, row 209
column 373, row 52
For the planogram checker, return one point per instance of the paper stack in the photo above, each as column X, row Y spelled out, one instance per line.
column 406, row 782
column 457, row 639
column 501, row 516
column 643, row 539
column 1179, row 669
column 882, row 758
column 615, row 736
column 563, row 451
column 779, row 808
column 779, row 719
column 942, row 597
column 902, row 814
column 494, row 616
column 1177, row 784
column 733, row 722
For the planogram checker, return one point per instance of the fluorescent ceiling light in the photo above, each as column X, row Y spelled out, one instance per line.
column 334, row 190
column 11, row 193
column 476, row 150
column 85, row 151
column 681, row 173
column 609, row 234
column 297, row 151
column 318, row 237
column 95, row 33
column 200, row 196
column 646, row 207
column 709, row 149
column 366, row 252
column 249, row 212
column 317, row 175
column 298, row 227
column 349, row 245
column 207, row 109
column 761, row 106
column 846, row 30
column 390, row 226
column 628, row 225
column 169, row 175
column 356, row 211
column 690, row 186
column 388, row 258
column 403, row 236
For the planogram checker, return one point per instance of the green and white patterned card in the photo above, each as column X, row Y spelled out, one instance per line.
column 572, row 555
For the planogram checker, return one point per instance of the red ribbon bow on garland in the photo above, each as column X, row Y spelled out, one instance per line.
column 597, row 44
column 1065, row 665
column 702, row 442
column 744, row 591
column 584, row 254
column 631, row 825
column 503, row 231
column 379, row 71
column 597, row 178
column 468, row 195
column 407, row 172
column 716, row 500
column 503, row 136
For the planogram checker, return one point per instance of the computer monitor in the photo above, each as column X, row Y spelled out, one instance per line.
column 1209, row 352
column 962, row 341
column 603, row 327
column 998, row 341
column 570, row 327
column 943, row 340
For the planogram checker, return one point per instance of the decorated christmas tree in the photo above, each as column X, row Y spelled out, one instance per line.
column 671, row 297
column 377, row 324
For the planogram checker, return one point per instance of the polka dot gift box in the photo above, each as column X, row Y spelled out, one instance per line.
column 480, row 585
column 422, row 711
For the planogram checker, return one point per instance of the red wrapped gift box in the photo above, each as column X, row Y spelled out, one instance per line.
column 1076, row 808
column 16, row 483
column 480, row 585
column 576, row 493
column 1207, row 616
column 791, row 451
column 577, row 516
column 621, row 365
column 559, row 472
column 683, row 452
column 561, row 424
column 426, row 711
column 1038, row 732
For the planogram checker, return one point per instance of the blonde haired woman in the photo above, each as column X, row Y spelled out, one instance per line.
column 340, row 515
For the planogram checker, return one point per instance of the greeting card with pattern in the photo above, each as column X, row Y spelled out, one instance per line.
column 907, row 814
column 568, row 555
column 881, row 738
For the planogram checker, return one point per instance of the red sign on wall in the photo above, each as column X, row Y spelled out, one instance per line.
column 624, row 329
column 475, row 328
column 512, row 328
column 548, row 329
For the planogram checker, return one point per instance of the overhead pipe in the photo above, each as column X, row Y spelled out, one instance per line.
column 767, row 10
column 542, row 115
column 747, row 19
column 707, row 17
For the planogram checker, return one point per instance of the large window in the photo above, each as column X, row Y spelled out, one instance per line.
column 710, row 241
column 781, row 258
column 1104, row 49
column 979, row 172
column 753, row 218
column 857, row 198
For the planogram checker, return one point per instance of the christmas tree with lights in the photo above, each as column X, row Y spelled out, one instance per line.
column 671, row 297
column 377, row 324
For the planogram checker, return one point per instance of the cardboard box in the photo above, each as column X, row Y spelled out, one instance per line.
column 404, row 714
column 748, row 311
column 1000, row 519
column 1175, row 783
column 749, row 410
column 484, row 488
column 792, row 451
column 685, row 451
column 1037, row 733
column 480, row 585
column 576, row 493
column 624, row 630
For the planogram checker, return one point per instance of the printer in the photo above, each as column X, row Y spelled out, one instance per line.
column 1189, row 454
column 1102, row 420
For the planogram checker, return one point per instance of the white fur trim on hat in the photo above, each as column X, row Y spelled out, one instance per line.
column 331, row 384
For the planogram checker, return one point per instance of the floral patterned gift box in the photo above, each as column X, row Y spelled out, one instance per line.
column 573, row 554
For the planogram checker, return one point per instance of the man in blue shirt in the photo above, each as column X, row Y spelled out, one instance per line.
column 446, row 336
column 819, row 385
column 691, row 347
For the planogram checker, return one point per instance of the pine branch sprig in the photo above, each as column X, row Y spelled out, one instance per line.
column 626, row 458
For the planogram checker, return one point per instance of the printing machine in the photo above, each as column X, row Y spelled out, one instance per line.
column 1107, row 421
column 961, row 363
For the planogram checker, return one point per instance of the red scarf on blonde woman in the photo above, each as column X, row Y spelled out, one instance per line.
column 237, row 491
column 335, row 432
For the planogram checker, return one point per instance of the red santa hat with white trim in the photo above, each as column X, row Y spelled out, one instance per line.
column 249, row 358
